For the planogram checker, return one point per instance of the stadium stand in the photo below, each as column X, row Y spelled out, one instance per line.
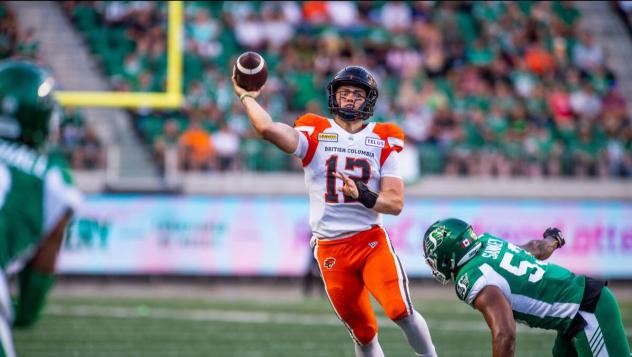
column 492, row 89
column 78, row 141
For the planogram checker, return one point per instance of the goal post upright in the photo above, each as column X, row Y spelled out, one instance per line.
column 171, row 98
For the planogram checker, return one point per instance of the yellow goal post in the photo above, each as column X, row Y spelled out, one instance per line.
column 172, row 98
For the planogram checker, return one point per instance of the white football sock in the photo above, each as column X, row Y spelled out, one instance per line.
column 417, row 334
column 371, row 349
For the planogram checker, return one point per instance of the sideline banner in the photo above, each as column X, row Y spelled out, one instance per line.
column 268, row 236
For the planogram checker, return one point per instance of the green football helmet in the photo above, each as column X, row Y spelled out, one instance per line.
column 448, row 245
column 28, row 110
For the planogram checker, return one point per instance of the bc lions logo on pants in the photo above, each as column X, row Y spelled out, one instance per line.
column 329, row 263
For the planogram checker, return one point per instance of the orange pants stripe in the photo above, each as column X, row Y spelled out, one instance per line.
column 351, row 268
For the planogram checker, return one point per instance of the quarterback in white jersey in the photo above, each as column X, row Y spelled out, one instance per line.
column 368, row 155
column 351, row 171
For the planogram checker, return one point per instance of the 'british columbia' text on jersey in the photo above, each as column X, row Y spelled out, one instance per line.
column 325, row 149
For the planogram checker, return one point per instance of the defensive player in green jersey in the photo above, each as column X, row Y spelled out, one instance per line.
column 37, row 197
column 509, row 283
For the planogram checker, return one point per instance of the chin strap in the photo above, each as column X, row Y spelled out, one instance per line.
column 348, row 114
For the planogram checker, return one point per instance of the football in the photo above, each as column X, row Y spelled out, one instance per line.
column 251, row 71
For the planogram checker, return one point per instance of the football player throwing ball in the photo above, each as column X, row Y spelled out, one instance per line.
column 352, row 173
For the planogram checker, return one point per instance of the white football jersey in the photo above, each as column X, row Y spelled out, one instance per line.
column 325, row 148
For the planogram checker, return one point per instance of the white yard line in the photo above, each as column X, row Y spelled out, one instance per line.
column 259, row 317
column 236, row 316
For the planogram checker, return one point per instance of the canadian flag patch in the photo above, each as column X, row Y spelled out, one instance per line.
column 465, row 243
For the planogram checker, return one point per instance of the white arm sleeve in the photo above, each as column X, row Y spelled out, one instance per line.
column 489, row 277
column 59, row 197
column 303, row 144
column 391, row 166
column 478, row 286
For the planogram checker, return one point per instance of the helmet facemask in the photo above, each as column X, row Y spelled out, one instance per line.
column 357, row 77
column 350, row 114
column 439, row 276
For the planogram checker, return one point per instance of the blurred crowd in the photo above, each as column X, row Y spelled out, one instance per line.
column 79, row 142
column 480, row 88
column 76, row 140
column 13, row 43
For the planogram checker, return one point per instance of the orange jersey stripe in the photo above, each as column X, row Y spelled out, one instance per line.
column 393, row 137
column 319, row 124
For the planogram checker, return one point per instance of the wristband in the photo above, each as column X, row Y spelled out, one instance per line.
column 365, row 195
column 244, row 96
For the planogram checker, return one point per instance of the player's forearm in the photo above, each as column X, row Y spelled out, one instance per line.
column 33, row 288
column 36, row 279
column 389, row 202
column 541, row 248
column 259, row 117
column 280, row 134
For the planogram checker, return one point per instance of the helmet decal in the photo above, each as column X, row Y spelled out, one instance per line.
column 461, row 285
column 435, row 238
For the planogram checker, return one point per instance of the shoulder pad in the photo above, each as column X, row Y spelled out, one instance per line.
column 310, row 119
column 391, row 133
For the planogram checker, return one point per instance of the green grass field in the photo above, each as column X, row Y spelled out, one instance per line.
column 246, row 326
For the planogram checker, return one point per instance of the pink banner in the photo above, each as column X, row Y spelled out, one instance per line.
column 268, row 236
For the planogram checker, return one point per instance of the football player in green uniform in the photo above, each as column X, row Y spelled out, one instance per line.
column 37, row 196
column 509, row 283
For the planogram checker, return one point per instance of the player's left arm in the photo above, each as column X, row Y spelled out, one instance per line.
column 37, row 277
column 543, row 248
column 493, row 304
column 391, row 197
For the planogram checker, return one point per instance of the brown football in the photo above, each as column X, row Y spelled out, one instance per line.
column 251, row 71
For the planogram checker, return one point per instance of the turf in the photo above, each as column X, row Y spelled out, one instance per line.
column 246, row 327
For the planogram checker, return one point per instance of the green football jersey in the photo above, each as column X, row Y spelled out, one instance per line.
column 35, row 192
column 541, row 295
